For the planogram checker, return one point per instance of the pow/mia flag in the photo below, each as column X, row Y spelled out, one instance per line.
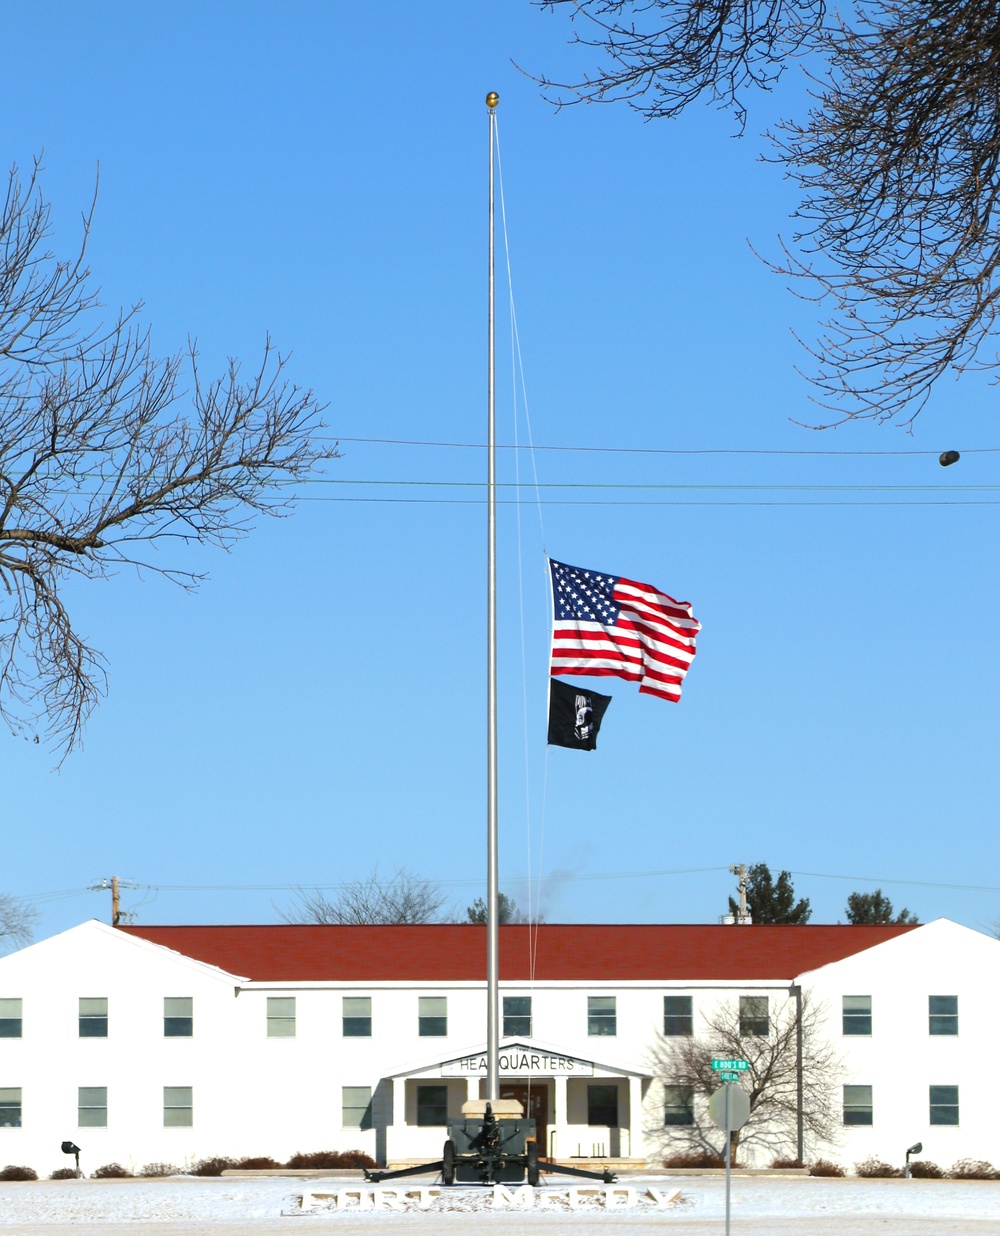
column 575, row 715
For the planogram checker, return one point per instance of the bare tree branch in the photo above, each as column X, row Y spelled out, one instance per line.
column 96, row 461
column 17, row 922
column 405, row 898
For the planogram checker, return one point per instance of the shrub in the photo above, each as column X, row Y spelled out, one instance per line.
column 823, row 1167
column 110, row 1171
column 332, row 1159
column 786, row 1163
column 873, row 1167
column 973, row 1169
column 12, row 1172
column 211, row 1167
column 258, row 1164
column 64, row 1173
column 924, row 1169
column 159, row 1169
column 698, row 1158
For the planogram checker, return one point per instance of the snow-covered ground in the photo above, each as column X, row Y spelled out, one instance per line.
column 761, row 1207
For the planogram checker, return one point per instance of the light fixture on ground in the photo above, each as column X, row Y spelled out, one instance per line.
column 916, row 1148
column 72, row 1148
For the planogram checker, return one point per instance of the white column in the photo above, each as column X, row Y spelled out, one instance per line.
column 557, row 1118
column 636, row 1141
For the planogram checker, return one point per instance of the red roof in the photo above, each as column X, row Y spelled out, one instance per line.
column 451, row 952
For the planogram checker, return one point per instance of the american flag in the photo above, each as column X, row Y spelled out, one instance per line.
column 606, row 625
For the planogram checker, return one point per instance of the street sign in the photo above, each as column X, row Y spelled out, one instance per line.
column 739, row 1107
column 739, row 1066
column 733, row 1077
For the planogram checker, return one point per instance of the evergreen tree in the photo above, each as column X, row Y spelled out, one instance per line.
column 770, row 900
column 867, row 908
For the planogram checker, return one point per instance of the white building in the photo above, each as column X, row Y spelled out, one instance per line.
column 171, row 1044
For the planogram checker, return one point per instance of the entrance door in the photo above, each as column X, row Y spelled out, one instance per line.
column 535, row 1101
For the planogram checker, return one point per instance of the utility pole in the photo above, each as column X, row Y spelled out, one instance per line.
column 743, row 918
column 115, row 885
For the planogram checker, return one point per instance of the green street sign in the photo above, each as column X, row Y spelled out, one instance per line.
column 730, row 1066
column 726, row 1076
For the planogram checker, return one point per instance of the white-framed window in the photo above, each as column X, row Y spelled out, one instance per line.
column 10, row 1107
column 432, row 1017
column 858, row 1107
column 678, row 1015
column 517, row 1017
column 678, row 1105
column 11, row 1018
column 92, row 1107
column 178, row 1107
column 356, row 1107
column 93, row 1017
column 857, row 1015
column 178, row 1017
column 357, row 1017
column 942, row 1014
column 602, row 1015
column 944, row 1105
column 281, row 1017
column 432, row 1106
column 754, row 1020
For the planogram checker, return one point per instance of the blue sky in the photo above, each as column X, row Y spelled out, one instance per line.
column 318, row 171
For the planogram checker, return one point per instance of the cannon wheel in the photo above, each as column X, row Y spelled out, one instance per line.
column 448, row 1163
column 531, row 1154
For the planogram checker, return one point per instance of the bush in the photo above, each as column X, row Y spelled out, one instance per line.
column 332, row 1159
column 973, row 1169
column 924, row 1169
column 110, row 1171
column 12, row 1172
column 872, row 1167
column 64, row 1173
column 786, row 1163
column 211, row 1167
column 823, row 1167
column 159, row 1169
column 698, row 1158
column 259, row 1164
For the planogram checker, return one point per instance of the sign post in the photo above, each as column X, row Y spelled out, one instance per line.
column 729, row 1109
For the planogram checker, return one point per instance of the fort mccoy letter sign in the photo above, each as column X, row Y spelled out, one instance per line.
column 520, row 1062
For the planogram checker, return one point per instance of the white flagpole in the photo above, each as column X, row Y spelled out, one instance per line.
column 492, row 844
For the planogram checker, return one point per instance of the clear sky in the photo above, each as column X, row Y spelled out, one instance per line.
column 318, row 171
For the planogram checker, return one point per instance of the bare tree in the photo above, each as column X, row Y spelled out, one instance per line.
column 897, row 160
column 508, row 911
column 683, row 1065
column 17, row 922
column 98, row 468
column 405, row 898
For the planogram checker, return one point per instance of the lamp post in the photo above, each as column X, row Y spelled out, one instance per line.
column 74, row 1149
column 916, row 1148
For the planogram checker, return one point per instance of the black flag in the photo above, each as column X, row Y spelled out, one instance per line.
column 575, row 715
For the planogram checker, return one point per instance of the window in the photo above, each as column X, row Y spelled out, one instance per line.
column 944, row 1105
column 93, row 1018
column 178, row 1107
column 516, row 1016
column 357, row 1018
column 678, row 1104
column 281, row 1017
column 753, row 1017
column 943, row 1012
column 857, row 1014
column 857, row 1105
column 178, row 1017
column 356, row 1106
column 432, row 1105
column 678, row 1017
column 602, row 1017
column 10, row 1108
column 432, row 1013
column 602, row 1105
column 10, row 1019
column 92, row 1107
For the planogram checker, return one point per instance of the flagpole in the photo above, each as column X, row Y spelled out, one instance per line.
column 492, row 844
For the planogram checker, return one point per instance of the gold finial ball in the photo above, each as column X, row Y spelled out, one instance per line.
column 492, row 99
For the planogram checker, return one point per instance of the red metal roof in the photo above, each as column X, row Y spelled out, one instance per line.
column 443, row 952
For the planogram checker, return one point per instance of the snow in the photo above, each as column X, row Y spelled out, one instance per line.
column 253, row 1207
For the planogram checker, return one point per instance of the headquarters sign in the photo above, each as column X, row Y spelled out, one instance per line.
column 520, row 1062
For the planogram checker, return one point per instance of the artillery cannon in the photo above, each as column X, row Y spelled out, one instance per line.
column 491, row 1143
